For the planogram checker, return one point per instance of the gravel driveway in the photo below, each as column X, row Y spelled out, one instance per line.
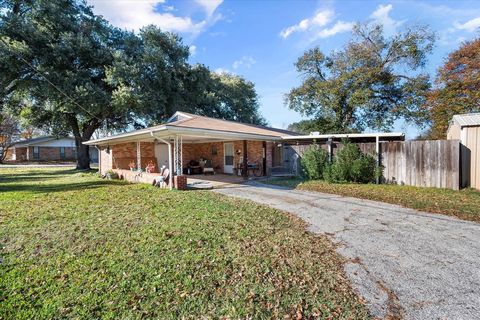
column 405, row 263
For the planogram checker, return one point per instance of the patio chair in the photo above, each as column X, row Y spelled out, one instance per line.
column 162, row 180
column 207, row 166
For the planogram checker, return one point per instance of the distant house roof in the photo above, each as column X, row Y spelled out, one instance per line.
column 198, row 128
column 39, row 140
column 467, row 119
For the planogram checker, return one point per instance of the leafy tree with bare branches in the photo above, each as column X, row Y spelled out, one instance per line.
column 371, row 83
column 457, row 88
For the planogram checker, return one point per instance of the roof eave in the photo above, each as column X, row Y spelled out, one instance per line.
column 171, row 129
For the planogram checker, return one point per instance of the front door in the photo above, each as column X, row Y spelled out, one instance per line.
column 161, row 153
column 228, row 156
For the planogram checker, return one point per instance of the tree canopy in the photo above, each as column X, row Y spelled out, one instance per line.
column 457, row 88
column 70, row 71
column 372, row 82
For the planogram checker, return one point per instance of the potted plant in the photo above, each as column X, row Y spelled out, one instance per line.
column 111, row 175
column 150, row 167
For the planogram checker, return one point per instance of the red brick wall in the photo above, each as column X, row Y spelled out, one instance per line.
column 196, row 151
column 52, row 154
column 45, row 154
column 124, row 153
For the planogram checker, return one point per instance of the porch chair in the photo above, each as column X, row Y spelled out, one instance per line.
column 163, row 179
column 207, row 166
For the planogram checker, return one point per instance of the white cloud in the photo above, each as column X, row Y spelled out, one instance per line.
column 245, row 61
column 320, row 19
column 470, row 25
column 339, row 27
column 168, row 8
column 382, row 16
column 209, row 5
column 133, row 15
column 221, row 70
column 193, row 50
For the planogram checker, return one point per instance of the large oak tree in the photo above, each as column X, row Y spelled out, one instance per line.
column 372, row 82
column 70, row 71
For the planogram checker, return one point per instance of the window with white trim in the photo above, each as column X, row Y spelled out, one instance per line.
column 36, row 152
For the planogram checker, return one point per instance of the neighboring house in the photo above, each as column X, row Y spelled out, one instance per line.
column 46, row 148
column 229, row 146
column 466, row 128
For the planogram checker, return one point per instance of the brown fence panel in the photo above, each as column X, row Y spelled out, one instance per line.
column 431, row 163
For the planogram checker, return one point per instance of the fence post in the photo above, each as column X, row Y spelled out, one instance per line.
column 330, row 149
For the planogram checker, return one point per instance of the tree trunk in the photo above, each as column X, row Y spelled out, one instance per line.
column 83, row 155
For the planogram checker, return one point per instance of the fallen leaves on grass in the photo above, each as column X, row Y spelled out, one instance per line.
column 132, row 251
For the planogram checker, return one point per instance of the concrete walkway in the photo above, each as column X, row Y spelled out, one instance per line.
column 405, row 263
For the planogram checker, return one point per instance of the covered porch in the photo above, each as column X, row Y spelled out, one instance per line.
column 231, row 158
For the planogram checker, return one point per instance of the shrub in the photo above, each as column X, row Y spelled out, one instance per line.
column 351, row 165
column 313, row 162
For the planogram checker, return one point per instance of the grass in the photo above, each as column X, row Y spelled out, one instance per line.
column 463, row 204
column 75, row 246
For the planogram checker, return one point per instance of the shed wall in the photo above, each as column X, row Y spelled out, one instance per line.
column 471, row 154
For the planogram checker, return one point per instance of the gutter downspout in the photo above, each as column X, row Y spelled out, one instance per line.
column 169, row 158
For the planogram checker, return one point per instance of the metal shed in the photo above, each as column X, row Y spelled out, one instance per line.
column 466, row 128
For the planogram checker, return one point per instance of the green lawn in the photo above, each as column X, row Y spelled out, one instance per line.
column 464, row 204
column 75, row 246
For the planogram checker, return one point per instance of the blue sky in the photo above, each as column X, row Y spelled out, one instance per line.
column 261, row 40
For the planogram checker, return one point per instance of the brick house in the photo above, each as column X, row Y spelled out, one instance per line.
column 184, row 139
column 46, row 148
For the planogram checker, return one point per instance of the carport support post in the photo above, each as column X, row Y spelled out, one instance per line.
column 245, row 160
column 139, row 157
column 377, row 151
column 330, row 150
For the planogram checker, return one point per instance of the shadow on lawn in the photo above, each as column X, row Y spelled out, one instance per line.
column 28, row 181
column 35, row 174
column 57, row 187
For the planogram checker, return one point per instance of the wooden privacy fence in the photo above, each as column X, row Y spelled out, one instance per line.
column 429, row 163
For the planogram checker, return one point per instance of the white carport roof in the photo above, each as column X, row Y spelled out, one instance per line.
column 356, row 136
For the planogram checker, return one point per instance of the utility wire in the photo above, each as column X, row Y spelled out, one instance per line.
column 48, row 81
